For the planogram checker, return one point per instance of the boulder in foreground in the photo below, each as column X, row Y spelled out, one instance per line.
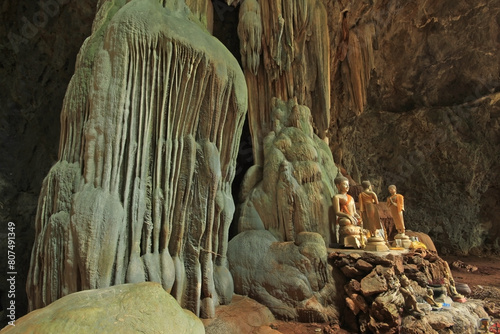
column 127, row 308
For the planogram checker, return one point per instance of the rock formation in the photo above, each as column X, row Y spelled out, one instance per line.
column 293, row 279
column 243, row 315
column 291, row 192
column 279, row 256
column 150, row 129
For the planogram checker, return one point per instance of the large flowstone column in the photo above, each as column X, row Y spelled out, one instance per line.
column 151, row 124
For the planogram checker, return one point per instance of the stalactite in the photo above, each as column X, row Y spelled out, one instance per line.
column 353, row 57
column 150, row 133
column 250, row 34
column 294, row 62
column 357, row 66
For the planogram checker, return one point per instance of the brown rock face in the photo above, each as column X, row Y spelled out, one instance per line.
column 243, row 315
column 415, row 100
column 375, row 282
column 285, row 54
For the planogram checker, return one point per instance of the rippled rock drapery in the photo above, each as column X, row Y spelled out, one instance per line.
column 353, row 57
column 279, row 255
column 285, row 52
column 142, row 191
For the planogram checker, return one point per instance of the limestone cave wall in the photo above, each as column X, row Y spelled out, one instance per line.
column 415, row 96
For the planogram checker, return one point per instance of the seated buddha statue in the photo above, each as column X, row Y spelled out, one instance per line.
column 347, row 217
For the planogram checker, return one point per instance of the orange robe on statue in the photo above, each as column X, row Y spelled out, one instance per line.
column 369, row 212
column 396, row 204
column 344, row 207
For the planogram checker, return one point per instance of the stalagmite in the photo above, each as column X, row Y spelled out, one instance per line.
column 295, row 192
column 284, row 222
column 142, row 190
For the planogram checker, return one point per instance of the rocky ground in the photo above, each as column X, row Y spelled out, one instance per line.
column 475, row 271
column 244, row 315
column 481, row 274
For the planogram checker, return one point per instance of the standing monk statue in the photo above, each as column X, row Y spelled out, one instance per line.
column 368, row 209
column 395, row 203
column 368, row 201
column 347, row 217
